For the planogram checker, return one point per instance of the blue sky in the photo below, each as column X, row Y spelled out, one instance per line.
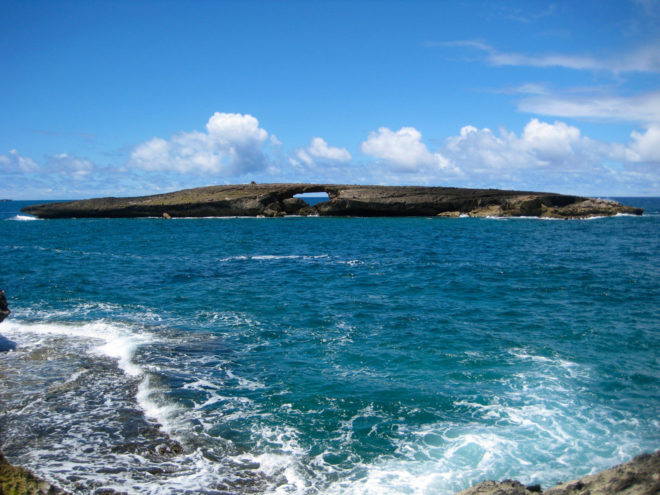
column 137, row 97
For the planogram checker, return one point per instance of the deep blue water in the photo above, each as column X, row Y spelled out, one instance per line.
column 328, row 355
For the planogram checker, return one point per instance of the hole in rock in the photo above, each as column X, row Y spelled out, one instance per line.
column 313, row 198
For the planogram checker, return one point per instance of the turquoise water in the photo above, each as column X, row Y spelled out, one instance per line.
column 328, row 355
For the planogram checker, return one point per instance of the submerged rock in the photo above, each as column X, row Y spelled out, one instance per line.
column 641, row 476
column 274, row 200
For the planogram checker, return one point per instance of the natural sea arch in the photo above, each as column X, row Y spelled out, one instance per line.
column 312, row 198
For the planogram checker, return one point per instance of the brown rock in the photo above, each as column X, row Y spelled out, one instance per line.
column 344, row 200
column 641, row 476
column 293, row 205
column 18, row 481
column 507, row 487
column 488, row 211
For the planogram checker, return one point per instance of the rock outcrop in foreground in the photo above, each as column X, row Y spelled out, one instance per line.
column 18, row 481
column 273, row 200
column 641, row 476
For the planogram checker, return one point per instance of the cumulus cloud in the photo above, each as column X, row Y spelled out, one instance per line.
column 540, row 144
column 14, row 162
column 556, row 156
column 481, row 150
column 318, row 150
column 403, row 150
column 233, row 144
column 550, row 141
column 544, row 155
column 645, row 147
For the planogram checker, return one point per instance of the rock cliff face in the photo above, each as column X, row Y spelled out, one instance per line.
column 641, row 476
column 274, row 200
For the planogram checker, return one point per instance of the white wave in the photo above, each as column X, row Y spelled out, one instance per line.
column 274, row 257
column 109, row 340
column 552, row 219
column 629, row 215
column 23, row 218
column 165, row 413
column 289, row 257
column 540, row 445
column 538, row 429
column 350, row 262
column 244, row 382
column 234, row 258
column 549, row 219
column 90, row 311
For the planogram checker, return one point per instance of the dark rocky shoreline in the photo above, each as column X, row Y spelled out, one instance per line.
column 275, row 200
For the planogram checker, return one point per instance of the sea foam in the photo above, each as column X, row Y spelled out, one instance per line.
column 23, row 218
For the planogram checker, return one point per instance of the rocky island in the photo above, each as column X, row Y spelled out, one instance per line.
column 274, row 200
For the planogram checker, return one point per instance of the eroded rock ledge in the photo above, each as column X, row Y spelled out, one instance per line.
column 272, row 200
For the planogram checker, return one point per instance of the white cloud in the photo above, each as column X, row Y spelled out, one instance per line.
column 645, row 58
column 558, row 157
column 14, row 162
column 233, row 144
column 550, row 141
column 541, row 144
column 234, row 129
column 640, row 108
column 481, row 151
column 152, row 153
column 645, row 147
column 72, row 165
column 404, row 150
column 318, row 150
column 551, row 156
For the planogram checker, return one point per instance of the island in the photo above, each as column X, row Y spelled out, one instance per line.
column 276, row 200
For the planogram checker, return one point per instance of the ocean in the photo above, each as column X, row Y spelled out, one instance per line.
column 328, row 355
